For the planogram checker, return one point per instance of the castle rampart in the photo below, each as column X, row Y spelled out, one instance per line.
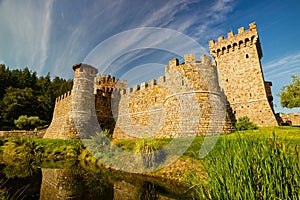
column 62, row 126
column 186, row 101
column 196, row 97
column 182, row 103
column 236, row 42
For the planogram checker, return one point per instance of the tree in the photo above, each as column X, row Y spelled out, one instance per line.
column 22, row 92
column 28, row 123
column 4, row 79
column 290, row 94
column 18, row 102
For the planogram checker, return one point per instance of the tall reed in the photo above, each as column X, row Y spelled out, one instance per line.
column 251, row 168
column 150, row 151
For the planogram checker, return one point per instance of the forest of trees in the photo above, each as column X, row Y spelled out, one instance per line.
column 22, row 93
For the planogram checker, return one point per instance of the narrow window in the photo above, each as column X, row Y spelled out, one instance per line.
column 182, row 82
column 223, row 50
column 227, row 80
column 247, row 56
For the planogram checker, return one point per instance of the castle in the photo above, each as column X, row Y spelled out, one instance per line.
column 196, row 97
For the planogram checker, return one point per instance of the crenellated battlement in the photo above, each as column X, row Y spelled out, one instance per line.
column 233, row 42
column 63, row 97
column 108, row 84
column 135, row 88
column 144, row 85
column 174, row 74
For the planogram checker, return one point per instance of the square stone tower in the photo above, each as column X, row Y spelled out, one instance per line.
column 241, row 76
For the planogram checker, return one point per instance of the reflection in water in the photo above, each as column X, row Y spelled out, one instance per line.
column 19, row 182
column 60, row 184
column 127, row 191
column 148, row 191
column 74, row 182
column 69, row 184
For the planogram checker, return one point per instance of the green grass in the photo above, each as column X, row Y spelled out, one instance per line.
column 258, row 164
column 24, row 150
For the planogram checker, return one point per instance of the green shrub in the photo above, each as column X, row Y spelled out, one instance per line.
column 28, row 123
column 244, row 123
column 150, row 151
column 3, row 194
column 18, row 150
column 99, row 144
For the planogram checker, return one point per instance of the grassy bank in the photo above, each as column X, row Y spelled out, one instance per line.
column 256, row 164
column 20, row 150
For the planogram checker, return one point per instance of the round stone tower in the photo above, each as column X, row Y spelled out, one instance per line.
column 196, row 98
column 83, row 101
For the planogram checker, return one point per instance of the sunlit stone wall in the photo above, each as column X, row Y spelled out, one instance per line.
column 240, row 73
column 187, row 101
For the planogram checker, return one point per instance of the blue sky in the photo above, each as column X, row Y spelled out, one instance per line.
column 50, row 36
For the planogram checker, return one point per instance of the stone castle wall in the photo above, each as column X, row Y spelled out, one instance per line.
column 193, row 98
column 186, row 101
column 294, row 118
column 241, row 77
column 62, row 125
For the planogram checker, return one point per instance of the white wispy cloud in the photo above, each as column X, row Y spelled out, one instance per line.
column 279, row 71
column 165, row 15
column 52, row 35
column 200, row 20
column 176, row 15
column 284, row 66
column 45, row 32
column 25, row 33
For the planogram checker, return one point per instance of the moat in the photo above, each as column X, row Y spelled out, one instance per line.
column 71, row 180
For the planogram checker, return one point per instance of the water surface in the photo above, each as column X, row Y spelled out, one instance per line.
column 74, row 180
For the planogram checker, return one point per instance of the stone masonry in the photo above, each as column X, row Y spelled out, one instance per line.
column 197, row 97
column 291, row 118
column 74, row 113
column 241, row 77
column 187, row 101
